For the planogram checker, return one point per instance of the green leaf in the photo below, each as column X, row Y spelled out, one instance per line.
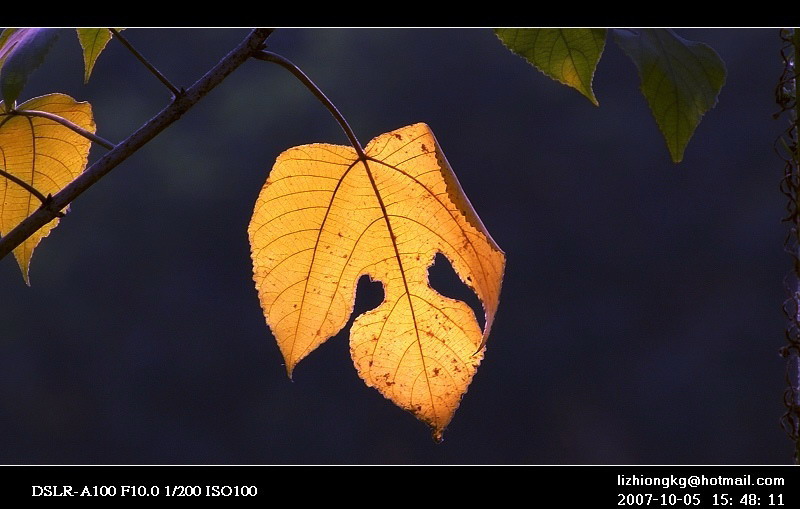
column 681, row 80
column 93, row 41
column 21, row 53
column 568, row 55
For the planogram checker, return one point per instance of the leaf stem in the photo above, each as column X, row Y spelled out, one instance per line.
column 166, row 117
column 268, row 56
column 42, row 198
column 66, row 123
column 163, row 79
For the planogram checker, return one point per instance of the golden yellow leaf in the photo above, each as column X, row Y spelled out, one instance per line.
column 325, row 217
column 44, row 154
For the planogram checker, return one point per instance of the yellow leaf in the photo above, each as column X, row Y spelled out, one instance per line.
column 45, row 155
column 325, row 217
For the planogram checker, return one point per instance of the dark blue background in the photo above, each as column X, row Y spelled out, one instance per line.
column 640, row 318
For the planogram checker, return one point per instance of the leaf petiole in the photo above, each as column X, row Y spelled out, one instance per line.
column 66, row 123
column 150, row 67
column 268, row 56
column 42, row 198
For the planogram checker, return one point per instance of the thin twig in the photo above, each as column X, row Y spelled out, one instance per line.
column 268, row 56
column 42, row 198
column 146, row 63
column 66, row 123
column 137, row 140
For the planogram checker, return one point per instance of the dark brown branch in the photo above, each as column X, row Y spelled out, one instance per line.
column 150, row 67
column 246, row 49
column 66, row 123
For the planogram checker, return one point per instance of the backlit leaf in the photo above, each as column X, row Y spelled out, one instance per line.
column 325, row 217
column 93, row 41
column 22, row 52
column 680, row 79
column 44, row 154
column 568, row 55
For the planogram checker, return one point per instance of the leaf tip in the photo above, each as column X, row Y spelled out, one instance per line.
column 24, row 268
column 585, row 90
column 676, row 147
column 290, row 370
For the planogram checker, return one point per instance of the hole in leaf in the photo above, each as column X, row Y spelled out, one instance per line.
column 369, row 295
column 444, row 280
